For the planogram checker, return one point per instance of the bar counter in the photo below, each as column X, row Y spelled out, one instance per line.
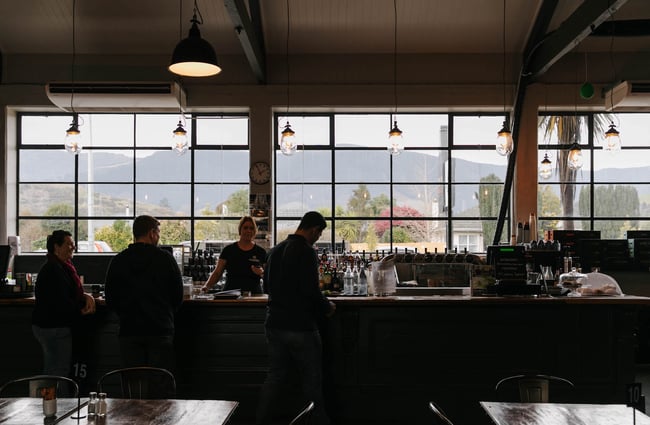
column 385, row 357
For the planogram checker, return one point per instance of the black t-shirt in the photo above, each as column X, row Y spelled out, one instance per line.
column 238, row 267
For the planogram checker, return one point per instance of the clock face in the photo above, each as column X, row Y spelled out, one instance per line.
column 260, row 172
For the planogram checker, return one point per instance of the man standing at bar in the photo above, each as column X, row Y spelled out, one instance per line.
column 144, row 286
column 295, row 306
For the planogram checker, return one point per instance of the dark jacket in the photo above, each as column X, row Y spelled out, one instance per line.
column 295, row 301
column 144, row 286
column 58, row 298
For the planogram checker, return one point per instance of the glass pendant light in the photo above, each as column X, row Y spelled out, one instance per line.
column 288, row 144
column 72, row 142
column 612, row 139
column 504, row 140
column 545, row 167
column 180, row 144
column 395, row 139
column 574, row 159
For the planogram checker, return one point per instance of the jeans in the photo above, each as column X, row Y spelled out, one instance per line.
column 288, row 349
column 155, row 351
column 56, row 344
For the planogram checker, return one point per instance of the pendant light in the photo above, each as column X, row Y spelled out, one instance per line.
column 574, row 159
column 72, row 142
column 612, row 139
column 180, row 143
column 395, row 139
column 288, row 145
column 545, row 167
column 194, row 56
column 504, row 141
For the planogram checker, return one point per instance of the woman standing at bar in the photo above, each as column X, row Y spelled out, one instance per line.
column 60, row 303
column 243, row 261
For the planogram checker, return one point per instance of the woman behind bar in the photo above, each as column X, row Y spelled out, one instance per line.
column 60, row 303
column 243, row 261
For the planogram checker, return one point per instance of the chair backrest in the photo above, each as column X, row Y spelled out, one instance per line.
column 441, row 417
column 532, row 388
column 31, row 386
column 142, row 382
column 303, row 416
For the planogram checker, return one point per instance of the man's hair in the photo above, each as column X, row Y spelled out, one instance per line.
column 243, row 220
column 312, row 219
column 56, row 238
column 142, row 224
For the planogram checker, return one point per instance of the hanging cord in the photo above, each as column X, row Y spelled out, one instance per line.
column 287, row 54
column 74, row 54
column 395, row 56
column 503, row 44
column 197, row 12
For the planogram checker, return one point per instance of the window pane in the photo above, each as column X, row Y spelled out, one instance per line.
column 110, row 130
column 162, row 166
column 310, row 131
column 216, row 232
column 477, row 130
column 222, row 131
column 475, row 166
column 420, row 167
column 471, row 200
column 634, row 128
column 107, row 200
column 562, row 129
column 106, row 235
column 173, row 232
column 362, row 166
column 295, row 200
column 221, row 166
column 621, row 166
column 163, row 200
column 560, row 157
column 33, row 233
column 429, row 200
column 157, row 130
column 44, row 129
column 613, row 229
column 46, row 199
column 619, row 200
column 476, row 235
column 304, row 166
column 36, row 166
column 362, row 200
column 568, row 203
column 358, row 130
column 221, row 200
column 106, row 166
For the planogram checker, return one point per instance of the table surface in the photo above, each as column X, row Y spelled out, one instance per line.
column 29, row 411
column 563, row 414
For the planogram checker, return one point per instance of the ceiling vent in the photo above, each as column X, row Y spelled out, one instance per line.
column 628, row 95
column 108, row 97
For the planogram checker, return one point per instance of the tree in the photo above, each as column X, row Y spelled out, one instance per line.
column 172, row 232
column 489, row 202
column 549, row 206
column 611, row 201
column 416, row 230
column 118, row 235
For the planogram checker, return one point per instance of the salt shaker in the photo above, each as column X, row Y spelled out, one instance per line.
column 101, row 405
column 92, row 404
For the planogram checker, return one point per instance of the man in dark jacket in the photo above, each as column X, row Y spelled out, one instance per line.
column 295, row 306
column 144, row 286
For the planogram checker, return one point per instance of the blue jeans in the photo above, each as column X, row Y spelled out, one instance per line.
column 288, row 349
column 56, row 344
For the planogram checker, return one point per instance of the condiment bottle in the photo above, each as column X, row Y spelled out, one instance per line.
column 101, row 405
column 92, row 404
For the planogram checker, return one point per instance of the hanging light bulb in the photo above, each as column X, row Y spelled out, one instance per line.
column 574, row 160
column 179, row 139
column 288, row 144
column 395, row 140
column 546, row 167
column 504, row 140
column 73, row 136
column 612, row 139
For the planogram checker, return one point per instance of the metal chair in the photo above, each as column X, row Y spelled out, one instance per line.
column 441, row 417
column 142, row 382
column 532, row 388
column 32, row 385
column 303, row 416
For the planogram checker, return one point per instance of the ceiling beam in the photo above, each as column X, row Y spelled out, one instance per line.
column 587, row 17
column 249, row 32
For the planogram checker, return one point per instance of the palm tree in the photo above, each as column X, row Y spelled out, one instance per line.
column 568, row 129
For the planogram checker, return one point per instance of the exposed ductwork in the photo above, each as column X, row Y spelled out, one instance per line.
column 108, row 97
column 628, row 95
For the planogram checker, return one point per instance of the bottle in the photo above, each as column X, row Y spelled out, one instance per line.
column 101, row 405
column 355, row 280
column 363, row 281
column 347, row 280
column 92, row 404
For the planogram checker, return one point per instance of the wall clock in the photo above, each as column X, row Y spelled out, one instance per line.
column 260, row 172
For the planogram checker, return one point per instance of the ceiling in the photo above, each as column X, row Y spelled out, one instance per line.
column 346, row 27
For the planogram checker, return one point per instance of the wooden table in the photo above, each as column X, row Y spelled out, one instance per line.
column 29, row 411
column 563, row 414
